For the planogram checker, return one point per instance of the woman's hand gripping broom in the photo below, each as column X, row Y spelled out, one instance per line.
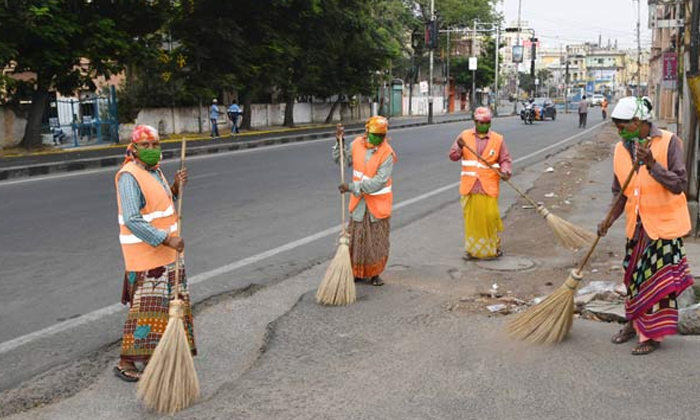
column 568, row 234
column 550, row 321
column 169, row 383
column 338, row 285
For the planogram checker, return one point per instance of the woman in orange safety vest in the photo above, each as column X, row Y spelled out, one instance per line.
column 480, row 185
column 148, row 236
column 371, row 200
column 657, row 218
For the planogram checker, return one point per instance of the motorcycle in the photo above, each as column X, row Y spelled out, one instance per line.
column 527, row 114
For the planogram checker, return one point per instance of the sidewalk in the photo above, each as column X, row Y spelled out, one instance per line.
column 424, row 346
column 106, row 155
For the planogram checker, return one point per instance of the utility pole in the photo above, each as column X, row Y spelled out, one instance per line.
column 498, row 43
column 445, row 105
column 517, row 81
column 639, row 49
column 473, row 99
column 566, row 83
column 430, row 81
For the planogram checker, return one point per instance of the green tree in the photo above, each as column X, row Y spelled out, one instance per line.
column 65, row 44
column 485, row 73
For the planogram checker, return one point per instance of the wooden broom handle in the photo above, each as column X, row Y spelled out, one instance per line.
column 522, row 194
column 180, row 193
column 608, row 216
column 342, row 180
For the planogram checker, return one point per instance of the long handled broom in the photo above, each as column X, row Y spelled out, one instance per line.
column 169, row 383
column 550, row 321
column 569, row 234
column 338, row 285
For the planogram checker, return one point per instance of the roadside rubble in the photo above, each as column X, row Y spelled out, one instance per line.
column 600, row 301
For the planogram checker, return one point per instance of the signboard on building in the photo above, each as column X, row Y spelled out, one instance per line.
column 670, row 66
column 517, row 53
column 423, row 87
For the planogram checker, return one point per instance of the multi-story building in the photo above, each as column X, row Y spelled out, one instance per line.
column 661, row 71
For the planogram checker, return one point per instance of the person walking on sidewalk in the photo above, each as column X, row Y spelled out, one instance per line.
column 372, row 160
column 233, row 112
column 657, row 218
column 213, row 117
column 582, row 112
column 147, row 220
column 480, row 185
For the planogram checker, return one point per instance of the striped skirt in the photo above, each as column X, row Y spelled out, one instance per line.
column 149, row 293
column 656, row 273
column 369, row 246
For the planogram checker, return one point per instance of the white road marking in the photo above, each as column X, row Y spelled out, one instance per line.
column 98, row 314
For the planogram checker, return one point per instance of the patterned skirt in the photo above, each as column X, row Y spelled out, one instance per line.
column 656, row 272
column 149, row 293
column 482, row 222
column 369, row 246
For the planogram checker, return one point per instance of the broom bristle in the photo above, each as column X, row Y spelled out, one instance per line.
column 338, row 285
column 169, row 383
column 569, row 234
column 549, row 321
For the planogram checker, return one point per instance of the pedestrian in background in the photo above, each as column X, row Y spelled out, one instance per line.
column 372, row 160
column 657, row 218
column 213, row 117
column 147, row 220
column 582, row 112
column 480, row 185
column 233, row 112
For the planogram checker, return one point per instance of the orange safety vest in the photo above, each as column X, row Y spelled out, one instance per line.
column 159, row 211
column 380, row 202
column 664, row 214
column 473, row 168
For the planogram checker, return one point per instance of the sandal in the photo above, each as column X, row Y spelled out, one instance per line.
column 624, row 335
column 377, row 281
column 359, row 280
column 646, row 347
column 128, row 374
column 467, row 256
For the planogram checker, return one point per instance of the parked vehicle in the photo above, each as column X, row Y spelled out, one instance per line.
column 545, row 109
column 597, row 99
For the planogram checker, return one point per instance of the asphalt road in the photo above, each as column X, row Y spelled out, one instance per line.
column 257, row 216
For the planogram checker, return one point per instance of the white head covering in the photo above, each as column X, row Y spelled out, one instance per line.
column 631, row 107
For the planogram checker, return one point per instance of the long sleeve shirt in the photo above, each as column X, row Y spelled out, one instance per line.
column 504, row 159
column 674, row 179
column 132, row 201
column 365, row 186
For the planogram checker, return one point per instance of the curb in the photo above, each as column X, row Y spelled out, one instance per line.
column 115, row 160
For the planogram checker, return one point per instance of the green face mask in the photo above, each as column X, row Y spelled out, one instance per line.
column 483, row 128
column 375, row 139
column 629, row 135
column 150, row 157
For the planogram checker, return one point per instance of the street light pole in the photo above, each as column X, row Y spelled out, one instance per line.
column 498, row 43
column 639, row 49
column 473, row 99
column 517, row 81
column 430, row 81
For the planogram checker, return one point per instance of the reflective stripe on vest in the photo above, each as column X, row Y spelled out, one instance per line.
column 380, row 202
column 663, row 214
column 159, row 211
column 473, row 168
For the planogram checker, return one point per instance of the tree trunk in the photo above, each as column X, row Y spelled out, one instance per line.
column 247, row 112
column 289, row 111
column 32, row 133
column 329, row 118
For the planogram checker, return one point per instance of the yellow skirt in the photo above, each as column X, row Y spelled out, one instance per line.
column 482, row 222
